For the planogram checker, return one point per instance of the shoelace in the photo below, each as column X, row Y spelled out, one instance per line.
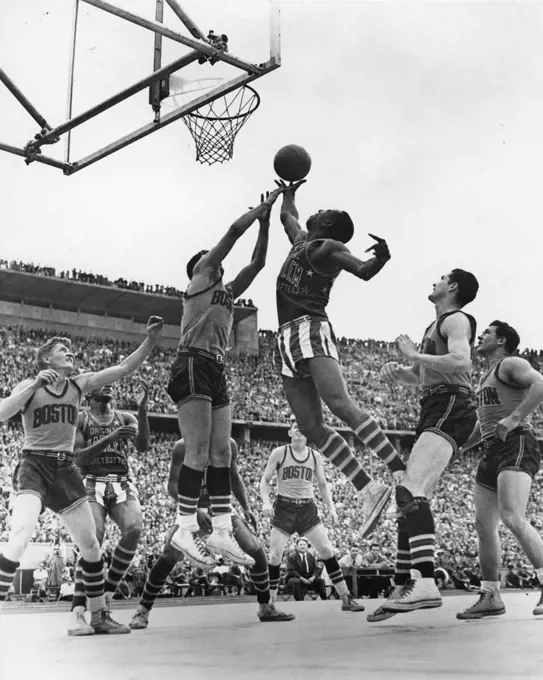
column 482, row 596
column 199, row 543
column 406, row 590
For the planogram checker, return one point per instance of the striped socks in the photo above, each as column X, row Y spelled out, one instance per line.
column 7, row 574
column 275, row 575
column 403, row 559
column 336, row 576
column 422, row 538
column 337, row 451
column 190, row 482
column 371, row 435
column 93, row 582
column 260, row 576
column 218, row 482
column 119, row 564
column 79, row 599
column 156, row 579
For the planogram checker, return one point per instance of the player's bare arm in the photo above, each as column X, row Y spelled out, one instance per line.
column 289, row 212
column 258, row 260
column 142, row 422
column 266, row 479
column 90, row 381
column 324, row 488
column 176, row 463
column 335, row 256
column 22, row 392
column 406, row 375
column 85, row 455
column 520, row 373
column 457, row 331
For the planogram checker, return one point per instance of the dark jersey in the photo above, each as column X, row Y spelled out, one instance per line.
column 301, row 289
column 113, row 459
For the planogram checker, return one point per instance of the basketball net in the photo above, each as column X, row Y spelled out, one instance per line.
column 215, row 125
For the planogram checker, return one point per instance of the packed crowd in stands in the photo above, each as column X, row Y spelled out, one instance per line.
column 99, row 280
column 255, row 391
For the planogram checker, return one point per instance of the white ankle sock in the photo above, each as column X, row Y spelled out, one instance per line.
column 490, row 586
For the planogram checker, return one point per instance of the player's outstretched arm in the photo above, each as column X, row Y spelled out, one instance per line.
column 91, row 381
column 324, row 488
column 266, row 479
column 336, row 255
column 519, row 373
column 289, row 212
column 24, row 391
column 457, row 331
column 144, row 434
column 248, row 274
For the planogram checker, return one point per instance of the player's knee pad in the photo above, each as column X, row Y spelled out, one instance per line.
column 405, row 502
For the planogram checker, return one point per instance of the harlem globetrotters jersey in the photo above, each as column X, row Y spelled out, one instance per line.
column 50, row 419
column 496, row 400
column 113, row 459
column 301, row 290
column 208, row 317
column 295, row 475
column 435, row 343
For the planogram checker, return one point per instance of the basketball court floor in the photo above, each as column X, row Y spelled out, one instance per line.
column 226, row 641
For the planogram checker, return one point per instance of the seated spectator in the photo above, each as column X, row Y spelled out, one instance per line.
column 302, row 574
column 40, row 576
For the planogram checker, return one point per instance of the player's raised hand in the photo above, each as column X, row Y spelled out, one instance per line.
column 390, row 371
column 266, row 202
column 289, row 189
column 143, row 396
column 46, row 377
column 379, row 249
column 334, row 518
column 406, row 346
column 155, row 326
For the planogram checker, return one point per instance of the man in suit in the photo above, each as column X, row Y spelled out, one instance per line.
column 302, row 572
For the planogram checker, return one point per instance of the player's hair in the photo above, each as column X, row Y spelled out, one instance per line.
column 512, row 338
column 342, row 228
column 467, row 286
column 45, row 351
column 194, row 261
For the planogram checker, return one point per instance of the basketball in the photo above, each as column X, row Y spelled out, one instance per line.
column 292, row 163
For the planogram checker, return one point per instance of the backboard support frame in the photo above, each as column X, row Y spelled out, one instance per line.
column 32, row 152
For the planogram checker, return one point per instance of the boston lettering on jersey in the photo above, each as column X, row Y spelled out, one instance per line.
column 223, row 298
column 488, row 396
column 297, row 472
column 54, row 413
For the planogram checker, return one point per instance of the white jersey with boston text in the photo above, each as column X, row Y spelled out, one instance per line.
column 296, row 473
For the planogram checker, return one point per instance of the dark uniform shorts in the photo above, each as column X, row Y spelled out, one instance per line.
column 291, row 515
column 450, row 412
column 56, row 481
column 519, row 451
column 110, row 490
column 196, row 375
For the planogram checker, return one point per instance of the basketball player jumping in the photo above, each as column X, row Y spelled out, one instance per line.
column 297, row 466
column 442, row 368
column 508, row 393
column 198, row 387
column 244, row 536
column 307, row 356
column 101, row 453
column 47, row 475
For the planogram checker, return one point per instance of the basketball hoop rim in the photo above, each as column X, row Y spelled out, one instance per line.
column 201, row 116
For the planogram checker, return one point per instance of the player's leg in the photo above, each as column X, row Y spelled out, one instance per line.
column 259, row 572
column 330, row 383
column 318, row 537
column 487, row 520
column 194, row 416
column 218, row 481
column 27, row 508
column 127, row 515
column 278, row 543
column 304, row 400
column 79, row 523
column 428, row 460
column 78, row 624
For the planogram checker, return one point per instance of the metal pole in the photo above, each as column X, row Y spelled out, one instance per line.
column 116, row 99
column 159, row 28
column 167, row 119
column 275, row 31
column 189, row 23
column 157, row 87
column 39, row 158
column 71, row 73
column 40, row 120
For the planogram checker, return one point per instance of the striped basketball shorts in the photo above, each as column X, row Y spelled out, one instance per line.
column 300, row 340
column 110, row 490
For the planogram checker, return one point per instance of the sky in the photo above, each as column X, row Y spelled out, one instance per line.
column 423, row 121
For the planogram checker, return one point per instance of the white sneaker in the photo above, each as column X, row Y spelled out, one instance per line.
column 78, row 625
column 222, row 543
column 375, row 497
column 381, row 614
column 193, row 547
column 418, row 593
column 140, row 620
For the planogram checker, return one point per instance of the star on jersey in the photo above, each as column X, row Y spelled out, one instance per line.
column 309, row 272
